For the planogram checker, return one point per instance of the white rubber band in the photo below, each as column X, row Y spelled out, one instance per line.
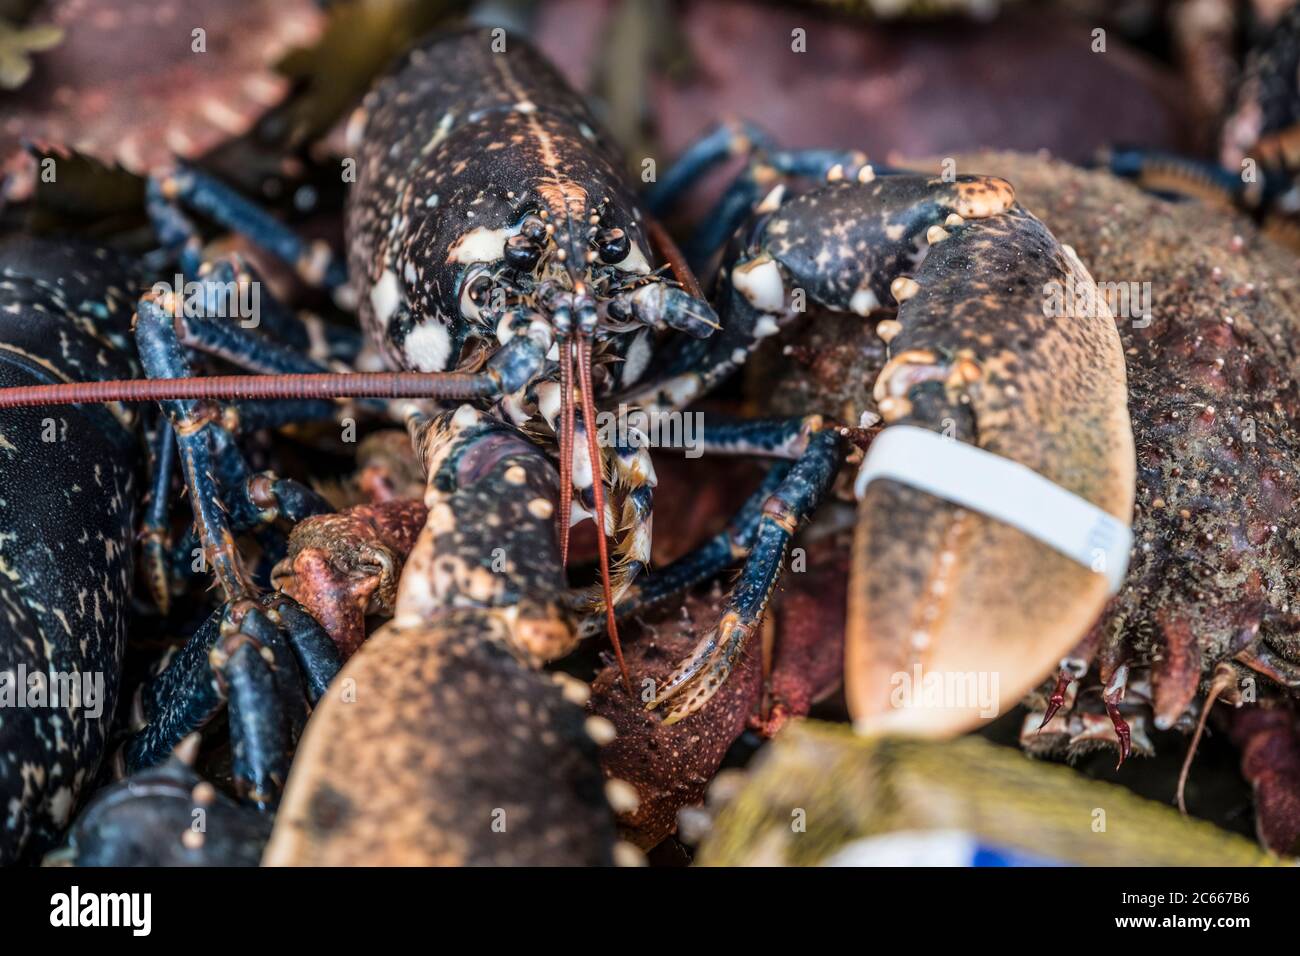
column 1002, row 489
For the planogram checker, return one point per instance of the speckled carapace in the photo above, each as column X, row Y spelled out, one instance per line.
column 67, row 512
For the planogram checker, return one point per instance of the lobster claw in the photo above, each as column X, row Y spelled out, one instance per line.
column 958, row 605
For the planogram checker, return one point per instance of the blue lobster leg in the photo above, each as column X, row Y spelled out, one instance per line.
column 176, row 232
column 797, row 495
column 181, row 699
column 766, row 164
column 715, row 147
column 194, row 189
column 267, row 706
column 255, row 502
column 163, row 356
column 189, row 690
column 222, row 659
column 322, row 341
column 154, row 528
column 228, row 339
column 704, row 562
column 1175, row 176
column 224, row 662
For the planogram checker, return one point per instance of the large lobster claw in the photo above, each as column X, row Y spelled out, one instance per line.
column 954, row 613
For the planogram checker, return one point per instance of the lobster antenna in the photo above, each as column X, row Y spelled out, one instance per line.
column 598, row 488
column 566, row 446
column 673, row 256
column 323, row 385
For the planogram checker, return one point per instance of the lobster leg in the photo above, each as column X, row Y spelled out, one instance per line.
column 224, row 658
column 724, row 141
column 253, row 506
column 194, row 189
column 1168, row 174
column 704, row 562
column 628, row 510
column 323, row 342
column 254, row 503
column 698, row 678
column 633, row 478
column 765, row 167
column 266, row 659
column 782, row 439
column 154, row 527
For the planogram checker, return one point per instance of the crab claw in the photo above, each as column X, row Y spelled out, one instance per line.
column 1057, row 699
column 1111, row 696
column 955, row 614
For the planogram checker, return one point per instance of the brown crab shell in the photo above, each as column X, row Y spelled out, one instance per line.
column 670, row 765
column 127, row 87
column 1214, row 404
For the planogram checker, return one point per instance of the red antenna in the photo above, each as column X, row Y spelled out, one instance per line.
column 323, row 385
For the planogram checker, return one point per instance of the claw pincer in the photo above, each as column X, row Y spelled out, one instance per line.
column 966, row 590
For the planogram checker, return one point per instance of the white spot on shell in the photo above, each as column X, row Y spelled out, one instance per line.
column 637, row 358
column 385, row 296
column 428, row 347
column 759, row 281
column 864, row 301
column 481, row 245
column 582, row 471
column 467, row 416
column 548, row 401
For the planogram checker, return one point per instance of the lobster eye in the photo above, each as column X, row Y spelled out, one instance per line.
column 522, row 253
column 533, row 228
column 478, row 287
column 613, row 245
column 474, row 293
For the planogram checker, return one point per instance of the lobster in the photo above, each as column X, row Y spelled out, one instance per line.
column 70, row 492
column 69, row 562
